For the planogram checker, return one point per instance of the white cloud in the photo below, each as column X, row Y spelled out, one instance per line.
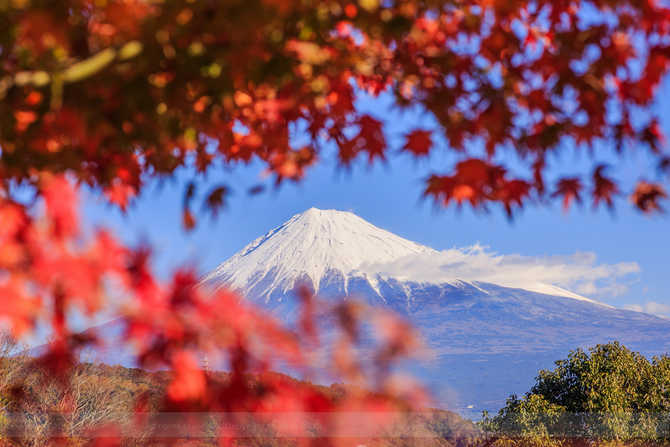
column 579, row 272
column 651, row 307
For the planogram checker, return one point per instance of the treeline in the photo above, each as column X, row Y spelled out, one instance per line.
column 38, row 411
column 606, row 395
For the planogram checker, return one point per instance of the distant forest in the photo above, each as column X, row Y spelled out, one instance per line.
column 37, row 409
column 604, row 395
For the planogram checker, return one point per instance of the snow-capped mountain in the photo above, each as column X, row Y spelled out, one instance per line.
column 336, row 253
column 323, row 248
column 486, row 340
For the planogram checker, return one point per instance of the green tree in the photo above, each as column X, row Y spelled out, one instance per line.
column 609, row 393
column 531, row 420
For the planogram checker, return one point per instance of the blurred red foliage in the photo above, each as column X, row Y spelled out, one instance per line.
column 49, row 269
column 119, row 91
column 112, row 93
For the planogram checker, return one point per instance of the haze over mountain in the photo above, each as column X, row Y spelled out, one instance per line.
column 486, row 340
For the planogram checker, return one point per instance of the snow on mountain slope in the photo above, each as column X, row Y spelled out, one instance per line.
column 312, row 245
column 332, row 250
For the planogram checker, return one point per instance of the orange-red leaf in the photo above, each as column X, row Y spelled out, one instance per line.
column 215, row 201
column 120, row 194
column 24, row 118
column 189, row 382
column 419, row 142
column 647, row 196
column 570, row 189
column 188, row 219
column 604, row 189
column 372, row 137
column 513, row 192
column 61, row 203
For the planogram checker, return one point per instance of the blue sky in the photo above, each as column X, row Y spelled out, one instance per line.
column 389, row 196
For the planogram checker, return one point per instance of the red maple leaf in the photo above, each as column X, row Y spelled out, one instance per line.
column 419, row 142
column 570, row 189
column 646, row 196
column 604, row 189
column 120, row 194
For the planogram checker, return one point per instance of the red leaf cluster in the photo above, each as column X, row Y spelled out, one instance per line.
column 479, row 183
column 48, row 270
column 119, row 91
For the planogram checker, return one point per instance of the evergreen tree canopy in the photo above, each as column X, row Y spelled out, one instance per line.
column 608, row 392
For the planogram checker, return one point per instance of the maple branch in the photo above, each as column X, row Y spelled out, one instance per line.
column 74, row 73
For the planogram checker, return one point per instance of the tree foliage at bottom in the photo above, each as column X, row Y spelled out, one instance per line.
column 608, row 394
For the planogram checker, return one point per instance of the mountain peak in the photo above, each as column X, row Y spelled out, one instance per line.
column 315, row 215
column 318, row 212
column 309, row 246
